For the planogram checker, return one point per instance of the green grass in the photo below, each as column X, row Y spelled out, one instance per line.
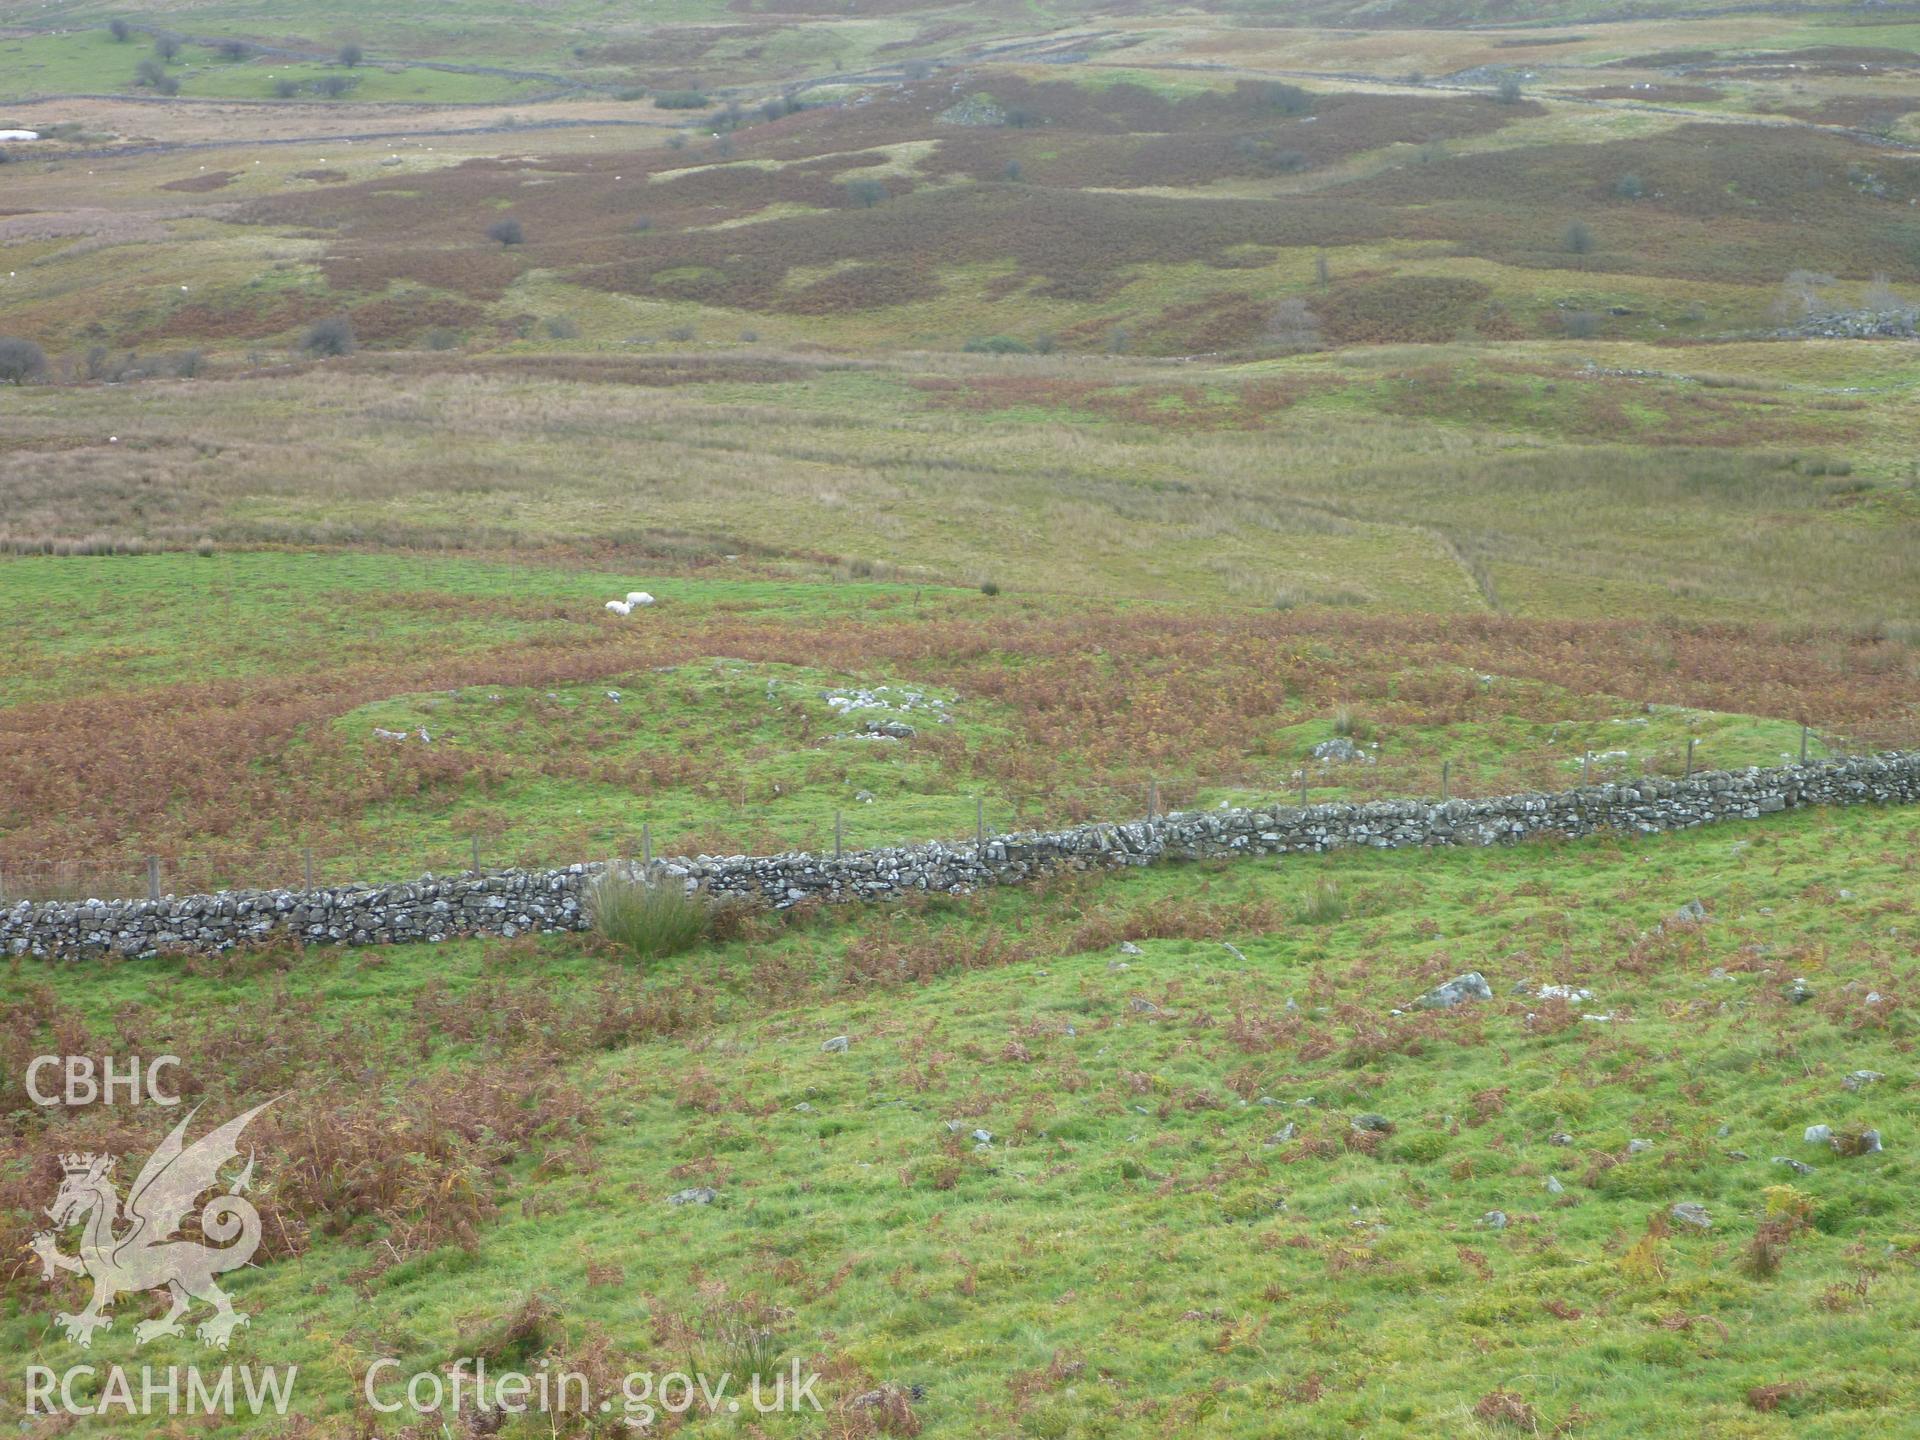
column 643, row 920
column 92, row 62
column 1133, row 1214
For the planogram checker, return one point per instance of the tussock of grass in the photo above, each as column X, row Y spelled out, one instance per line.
column 643, row 919
column 1325, row 903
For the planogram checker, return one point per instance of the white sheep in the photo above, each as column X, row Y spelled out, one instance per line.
column 638, row 597
column 620, row 607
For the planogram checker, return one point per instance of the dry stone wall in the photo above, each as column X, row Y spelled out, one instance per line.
column 517, row 902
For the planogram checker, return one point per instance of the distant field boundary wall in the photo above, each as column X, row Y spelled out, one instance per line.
column 515, row 902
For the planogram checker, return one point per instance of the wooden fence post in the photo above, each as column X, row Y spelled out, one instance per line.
column 1803, row 744
column 1586, row 768
column 839, row 836
column 1689, row 757
column 476, row 854
column 646, row 844
column 1153, row 798
column 153, row 877
column 980, row 822
column 1446, row 774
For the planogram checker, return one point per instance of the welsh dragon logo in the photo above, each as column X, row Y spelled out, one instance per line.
column 145, row 1255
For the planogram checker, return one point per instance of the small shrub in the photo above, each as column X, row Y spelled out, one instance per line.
column 120, row 30
column 234, row 51
column 20, row 361
column 645, row 921
column 998, row 345
column 1582, row 324
column 507, row 232
column 331, row 336
column 442, row 338
column 866, row 192
column 681, row 333
column 286, row 89
column 563, row 327
column 989, row 587
column 1508, row 91
column 203, row 547
column 1629, row 187
column 1578, row 239
column 680, row 100
column 351, row 55
column 1325, row 903
column 334, row 86
column 166, row 47
column 1354, row 727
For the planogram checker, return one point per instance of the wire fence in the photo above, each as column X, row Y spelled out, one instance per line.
column 135, row 875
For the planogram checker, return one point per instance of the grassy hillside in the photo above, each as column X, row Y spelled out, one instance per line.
column 1176, row 1227
column 234, row 706
column 1121, row 400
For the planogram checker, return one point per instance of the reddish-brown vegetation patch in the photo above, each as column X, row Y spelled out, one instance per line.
column 1411, row 307
column 200, row 184
column 1165, row 407
column 244, row 318
column 1600, row 407
column 406, row 316
column 1100, row 699
column 1653, row 94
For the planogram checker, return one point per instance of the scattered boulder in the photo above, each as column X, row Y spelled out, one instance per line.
column 1798, row 1167
column 1494, row 1219
column 1639, row 1147
column 1860, row 1079
column 1690, row 1212
column 1554, row 1187
column 1379, row 1124
column 1339, row 749
column 699, row 1195
column 836, row 1046
column 1560, row 1137
column 891, row 729
column 1818, row 1134
column 1798, row 992
column 1691, row 913
column 1457, row 991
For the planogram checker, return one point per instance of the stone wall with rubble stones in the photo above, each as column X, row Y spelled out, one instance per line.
column 515, row 902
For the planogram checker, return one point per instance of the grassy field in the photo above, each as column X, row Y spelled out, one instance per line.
column 1175, row 1227
column 1116, row 401
column 236, row 704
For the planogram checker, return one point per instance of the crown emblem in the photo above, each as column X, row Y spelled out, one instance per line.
column 78, row 1164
